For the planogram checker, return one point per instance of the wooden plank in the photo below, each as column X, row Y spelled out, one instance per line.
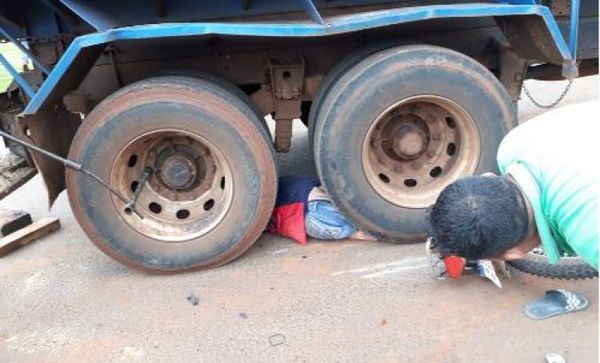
column 28, row 234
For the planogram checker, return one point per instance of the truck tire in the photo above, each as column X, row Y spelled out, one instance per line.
column 399, row 126
column 224, row 83
column 213, row 184
column 334, row 74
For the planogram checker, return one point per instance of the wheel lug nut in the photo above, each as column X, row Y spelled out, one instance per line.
column 437, row 136
column 431, row 153
column 417, row 165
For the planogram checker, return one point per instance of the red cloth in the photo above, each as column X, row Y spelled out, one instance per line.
column 288, row 221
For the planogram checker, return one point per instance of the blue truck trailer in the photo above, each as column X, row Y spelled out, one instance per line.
column 151, row 113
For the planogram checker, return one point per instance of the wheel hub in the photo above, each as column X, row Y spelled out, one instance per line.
column 409, row 142
column 416, row 147
column 179, row 171
column 189, row 193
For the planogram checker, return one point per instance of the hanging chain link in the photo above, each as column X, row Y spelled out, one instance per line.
column 552, row 104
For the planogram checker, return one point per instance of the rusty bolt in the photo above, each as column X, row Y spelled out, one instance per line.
column 518, row 77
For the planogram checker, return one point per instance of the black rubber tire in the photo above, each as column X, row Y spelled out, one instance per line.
column 225, row 83
column 567, row 268
column 334, row 74
column 368, row 88
column 199, row 106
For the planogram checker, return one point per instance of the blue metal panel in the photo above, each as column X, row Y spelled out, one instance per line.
column 574, row 28
column 40, row 21
column 518, row 2
column 313, row 12
column 90, row 14
column 17, row 76
column 335, row 25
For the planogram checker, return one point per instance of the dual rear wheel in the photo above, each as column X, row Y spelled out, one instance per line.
column 391, row 126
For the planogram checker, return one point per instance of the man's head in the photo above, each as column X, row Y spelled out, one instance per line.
column 480, row 217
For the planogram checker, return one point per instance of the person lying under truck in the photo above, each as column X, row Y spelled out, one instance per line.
column 548, row 193
column 303, row 209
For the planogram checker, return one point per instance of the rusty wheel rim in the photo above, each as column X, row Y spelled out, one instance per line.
column 416, row 147
column 188, row 193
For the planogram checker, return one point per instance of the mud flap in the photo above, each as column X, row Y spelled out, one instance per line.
column 52, row 128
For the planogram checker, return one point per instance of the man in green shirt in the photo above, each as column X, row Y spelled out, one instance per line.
column 549, row 192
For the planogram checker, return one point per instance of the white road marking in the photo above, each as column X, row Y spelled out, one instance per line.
column 278, row 252
column 406, row 263
column 393, row 271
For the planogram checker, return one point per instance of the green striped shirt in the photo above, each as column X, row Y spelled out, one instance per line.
column 554, row 159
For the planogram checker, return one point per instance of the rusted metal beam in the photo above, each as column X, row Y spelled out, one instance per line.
column 287, row 80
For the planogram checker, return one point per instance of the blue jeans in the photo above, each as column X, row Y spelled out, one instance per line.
column 324, row 221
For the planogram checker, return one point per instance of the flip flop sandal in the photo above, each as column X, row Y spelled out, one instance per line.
column 556, row 302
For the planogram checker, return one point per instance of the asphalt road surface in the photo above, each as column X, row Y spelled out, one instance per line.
column 62, row 300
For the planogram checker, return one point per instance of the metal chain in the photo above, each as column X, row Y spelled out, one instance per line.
column 552, row 104
column 59, row 37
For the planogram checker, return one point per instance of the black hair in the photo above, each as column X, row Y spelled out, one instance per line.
column 478, row 217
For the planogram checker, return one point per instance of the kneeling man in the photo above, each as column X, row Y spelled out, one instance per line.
column 548, row 193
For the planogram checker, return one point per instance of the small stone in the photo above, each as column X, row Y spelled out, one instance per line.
column 243, row 315
column 555, row 358
column 276, row 339
column 133, row 352
column 193, row 299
